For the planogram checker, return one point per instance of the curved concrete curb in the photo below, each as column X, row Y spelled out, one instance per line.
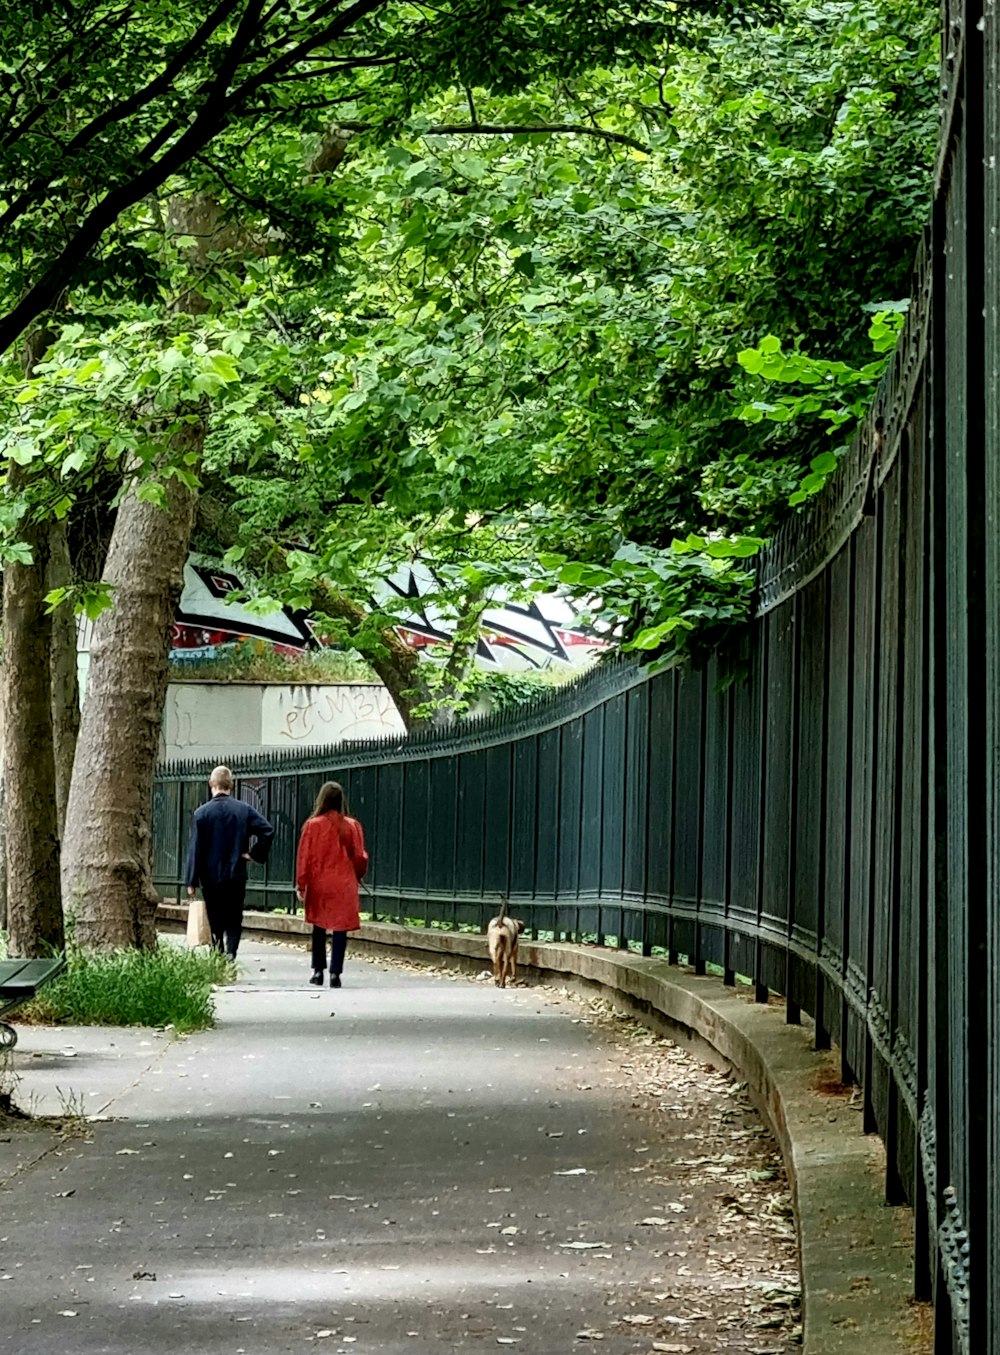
column 854, row 1250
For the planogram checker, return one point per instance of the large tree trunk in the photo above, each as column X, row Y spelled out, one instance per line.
column 63, row 672
column 3, row 850
column 34, row 908
column 107, row 850
column 106, row 871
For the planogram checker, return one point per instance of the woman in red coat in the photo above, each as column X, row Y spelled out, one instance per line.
column 331, row 861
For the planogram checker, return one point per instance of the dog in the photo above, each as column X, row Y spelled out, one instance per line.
column 501, row 938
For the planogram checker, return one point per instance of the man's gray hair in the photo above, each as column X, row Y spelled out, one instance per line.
column 221, row 778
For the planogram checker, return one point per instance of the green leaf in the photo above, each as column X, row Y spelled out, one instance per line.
column 532, row 301
column 224, row 367
column 471, row 166
column 151, row 491
column 653, row 636
column 96, row 600
column 736, row 548
column 577, row 575
column 16, row 552
column 76, row 460
column 824, row 464
column 23, row 452
column 55, row 598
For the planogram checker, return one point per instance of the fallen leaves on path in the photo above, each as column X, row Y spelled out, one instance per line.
column 721, row 1236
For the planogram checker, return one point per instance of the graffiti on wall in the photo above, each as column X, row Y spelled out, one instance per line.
column 226, row 718
column 307, row 715
column 210, row 621
column 538, row 634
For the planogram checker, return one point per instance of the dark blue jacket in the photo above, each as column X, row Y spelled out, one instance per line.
column 220, row 834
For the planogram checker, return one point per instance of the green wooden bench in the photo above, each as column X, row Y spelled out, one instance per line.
column 20, row 980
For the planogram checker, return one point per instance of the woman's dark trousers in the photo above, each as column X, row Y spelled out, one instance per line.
column 338, row 948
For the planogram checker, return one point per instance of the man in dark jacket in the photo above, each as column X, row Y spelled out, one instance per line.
column 218, row 855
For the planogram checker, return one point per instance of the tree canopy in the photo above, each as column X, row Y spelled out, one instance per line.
column 103, row 103
column 428, row 330
column 529, row 346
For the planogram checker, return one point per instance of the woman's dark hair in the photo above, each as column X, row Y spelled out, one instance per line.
column 330, row 797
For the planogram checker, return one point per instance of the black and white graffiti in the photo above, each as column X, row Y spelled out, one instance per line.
column 544, row 632
column 212, row 619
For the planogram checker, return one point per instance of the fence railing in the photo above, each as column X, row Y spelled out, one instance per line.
column 829, row 827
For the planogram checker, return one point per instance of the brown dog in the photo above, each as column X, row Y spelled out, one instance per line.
column 501, row 938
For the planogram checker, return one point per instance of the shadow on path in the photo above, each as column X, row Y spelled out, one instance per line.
column 413, row 1163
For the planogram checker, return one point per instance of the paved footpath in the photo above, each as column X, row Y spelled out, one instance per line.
column 392, row 1167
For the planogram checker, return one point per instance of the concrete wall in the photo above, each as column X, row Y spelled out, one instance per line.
column 205, row 718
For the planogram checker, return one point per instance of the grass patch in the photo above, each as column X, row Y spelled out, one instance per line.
column 168, row 986
column 257, row 661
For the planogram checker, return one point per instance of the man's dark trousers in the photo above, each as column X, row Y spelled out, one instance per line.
column 224, row 904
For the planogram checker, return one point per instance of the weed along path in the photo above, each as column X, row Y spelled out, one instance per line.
column 418, row 1162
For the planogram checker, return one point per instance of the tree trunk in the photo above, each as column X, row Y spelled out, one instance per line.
column 106, row 873
column 3, row 852
column 34, row 913
column 34, row 907
column 63, row 672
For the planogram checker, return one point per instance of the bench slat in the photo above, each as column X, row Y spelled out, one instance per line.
column 19, row 977
column 10, row 968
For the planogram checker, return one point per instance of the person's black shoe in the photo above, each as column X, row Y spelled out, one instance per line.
column 334, row 981
column 316, row 977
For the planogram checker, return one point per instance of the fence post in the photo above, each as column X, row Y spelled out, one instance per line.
column 760, row 990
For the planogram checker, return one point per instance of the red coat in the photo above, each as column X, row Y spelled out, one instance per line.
column 331, row 861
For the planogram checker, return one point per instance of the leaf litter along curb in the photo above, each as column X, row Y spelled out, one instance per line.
column 735, row 1285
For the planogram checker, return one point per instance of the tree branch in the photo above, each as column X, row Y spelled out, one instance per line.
column 279, row 67
column 126, row 107
column 111, row 25
column 551, row 128
column 209, row 120
column 219, row 105
column 514, row 129
column 397, row 665
column 198, row 41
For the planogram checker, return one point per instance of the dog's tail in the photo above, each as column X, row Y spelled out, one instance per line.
column 503, row 908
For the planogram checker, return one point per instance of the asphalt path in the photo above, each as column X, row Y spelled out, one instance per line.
column 412, row 1163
